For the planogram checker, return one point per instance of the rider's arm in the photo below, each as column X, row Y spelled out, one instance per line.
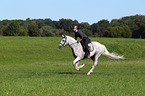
column 80, row 40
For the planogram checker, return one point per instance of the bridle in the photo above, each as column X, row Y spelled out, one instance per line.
column 64, row 44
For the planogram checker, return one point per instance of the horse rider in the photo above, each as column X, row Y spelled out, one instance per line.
column 83, row 39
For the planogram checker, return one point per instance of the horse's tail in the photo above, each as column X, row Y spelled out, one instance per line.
column 112, row 55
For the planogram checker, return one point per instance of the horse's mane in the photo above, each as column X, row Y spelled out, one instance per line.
column 72, row 39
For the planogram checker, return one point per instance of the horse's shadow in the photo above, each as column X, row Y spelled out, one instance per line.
column 55, row 73
column 69, row 73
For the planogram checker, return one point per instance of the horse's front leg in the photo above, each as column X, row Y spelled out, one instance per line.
column 76, row 63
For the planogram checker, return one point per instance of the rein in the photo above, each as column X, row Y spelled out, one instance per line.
column 68, row 44
column 73, row 43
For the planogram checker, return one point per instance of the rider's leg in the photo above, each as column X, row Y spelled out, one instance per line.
column 83, row 45
column 87, row 41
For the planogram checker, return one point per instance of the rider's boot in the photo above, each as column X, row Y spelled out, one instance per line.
column 87, row 54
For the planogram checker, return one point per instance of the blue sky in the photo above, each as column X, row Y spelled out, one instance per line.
column 90, row 11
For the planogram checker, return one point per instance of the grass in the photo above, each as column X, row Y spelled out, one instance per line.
column 36, row 67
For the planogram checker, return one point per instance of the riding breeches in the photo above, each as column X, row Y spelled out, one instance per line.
column 85, row 43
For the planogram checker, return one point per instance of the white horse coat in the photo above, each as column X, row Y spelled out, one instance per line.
column 79, row 54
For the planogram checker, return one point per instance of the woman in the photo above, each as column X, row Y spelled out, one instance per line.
column 83, row 39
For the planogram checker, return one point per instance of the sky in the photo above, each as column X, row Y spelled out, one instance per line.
column 90, row 11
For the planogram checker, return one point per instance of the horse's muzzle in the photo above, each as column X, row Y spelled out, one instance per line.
column 60, row 46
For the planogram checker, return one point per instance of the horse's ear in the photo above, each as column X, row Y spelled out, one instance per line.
column 63, row 35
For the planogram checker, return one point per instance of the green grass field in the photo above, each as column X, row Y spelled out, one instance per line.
column 34, row 66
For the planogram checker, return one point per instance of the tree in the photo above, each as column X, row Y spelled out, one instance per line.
column 135, row 23
column 12, row 29
column 143, row 32
column 118, row 32
column 49, row 22
column 114, row 22
column 87, row 32
column 110, row 32
column 23, row 31
column 95, row 28
column 84, row 25
column 103, row 25
column 67, row 24
column 47, row 31
column 127, row 32
column 61, row 31
column 100, row 27
column 33, row 30
column 40, row 23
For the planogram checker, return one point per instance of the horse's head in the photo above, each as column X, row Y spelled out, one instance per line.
column 63, row 42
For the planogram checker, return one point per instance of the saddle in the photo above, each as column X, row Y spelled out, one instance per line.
column 91, row 47
column 88, row 48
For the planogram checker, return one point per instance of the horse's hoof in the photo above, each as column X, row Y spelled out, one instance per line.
column 88, row 74
column 91, row 72
column 77, row 69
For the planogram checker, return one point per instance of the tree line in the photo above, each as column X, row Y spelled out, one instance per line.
column 126, row 27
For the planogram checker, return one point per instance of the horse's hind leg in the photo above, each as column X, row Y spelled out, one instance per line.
column 95, row 63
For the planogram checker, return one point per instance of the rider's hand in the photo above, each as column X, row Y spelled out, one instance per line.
column 80, row 40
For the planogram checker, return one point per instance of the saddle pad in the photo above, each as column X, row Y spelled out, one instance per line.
column 91, row 47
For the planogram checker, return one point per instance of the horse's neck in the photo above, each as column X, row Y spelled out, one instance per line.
column 72, row 42
column 76, row 47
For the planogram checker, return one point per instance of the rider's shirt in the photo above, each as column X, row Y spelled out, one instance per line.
column 80, row 34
